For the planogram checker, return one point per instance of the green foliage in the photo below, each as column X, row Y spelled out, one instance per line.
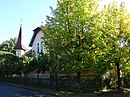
column 27, row 66
column 42, row 62
column 71, row 34
column 78, row 37
column 33, row 64
column 9, row 45
column 116, row 32
column 7, row 63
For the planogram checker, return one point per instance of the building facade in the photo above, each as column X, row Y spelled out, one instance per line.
column 36, row 41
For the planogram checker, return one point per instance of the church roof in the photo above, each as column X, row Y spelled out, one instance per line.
column 19, row 44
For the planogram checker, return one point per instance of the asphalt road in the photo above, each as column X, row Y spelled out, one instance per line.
column 12, row 91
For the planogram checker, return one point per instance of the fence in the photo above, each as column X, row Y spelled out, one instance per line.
column 61, row 84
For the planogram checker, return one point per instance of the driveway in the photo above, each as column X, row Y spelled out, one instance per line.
column 12, row 91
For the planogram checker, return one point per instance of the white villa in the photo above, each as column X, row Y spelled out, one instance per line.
column 35, row 43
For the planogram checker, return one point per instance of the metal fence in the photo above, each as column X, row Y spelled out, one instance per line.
column 67, row 84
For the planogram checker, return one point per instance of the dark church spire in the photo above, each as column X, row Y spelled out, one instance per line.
column 19, row 44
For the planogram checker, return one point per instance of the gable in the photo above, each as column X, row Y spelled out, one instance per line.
column 34, row 35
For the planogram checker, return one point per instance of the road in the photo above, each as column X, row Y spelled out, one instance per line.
column 12, row 91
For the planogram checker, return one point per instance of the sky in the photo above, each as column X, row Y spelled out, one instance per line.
column 31, row 12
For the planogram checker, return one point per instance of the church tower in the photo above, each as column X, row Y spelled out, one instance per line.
column 20, row 49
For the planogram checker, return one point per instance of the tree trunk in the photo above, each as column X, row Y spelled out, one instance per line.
column 78, row 75
column 118, row 75
column 20, row 74
column 20, row 77
column 56, row 81
column 38, row 78
column 51, row 79
column 50, row 75
column 37, row 75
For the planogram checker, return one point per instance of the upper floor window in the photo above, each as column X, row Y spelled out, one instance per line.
column 38, row 47
column 42, row 48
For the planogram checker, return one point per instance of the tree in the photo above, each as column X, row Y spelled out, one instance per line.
column 9, row 45
column 19, row 68
column 41, row 63
column 8, row 61
column 70, row 34
column 78, row 37
column 116, row 33
column 27, row 66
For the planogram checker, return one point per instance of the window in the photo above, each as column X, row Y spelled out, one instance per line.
column 42, row 48
column 17, row 54
column 38, row 47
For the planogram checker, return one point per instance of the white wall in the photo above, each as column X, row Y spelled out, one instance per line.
column 20, row 52
column 37, row 40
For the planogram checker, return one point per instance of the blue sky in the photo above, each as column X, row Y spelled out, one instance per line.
column 31, row 12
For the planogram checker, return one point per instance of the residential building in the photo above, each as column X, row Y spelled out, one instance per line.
column 36, row 41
